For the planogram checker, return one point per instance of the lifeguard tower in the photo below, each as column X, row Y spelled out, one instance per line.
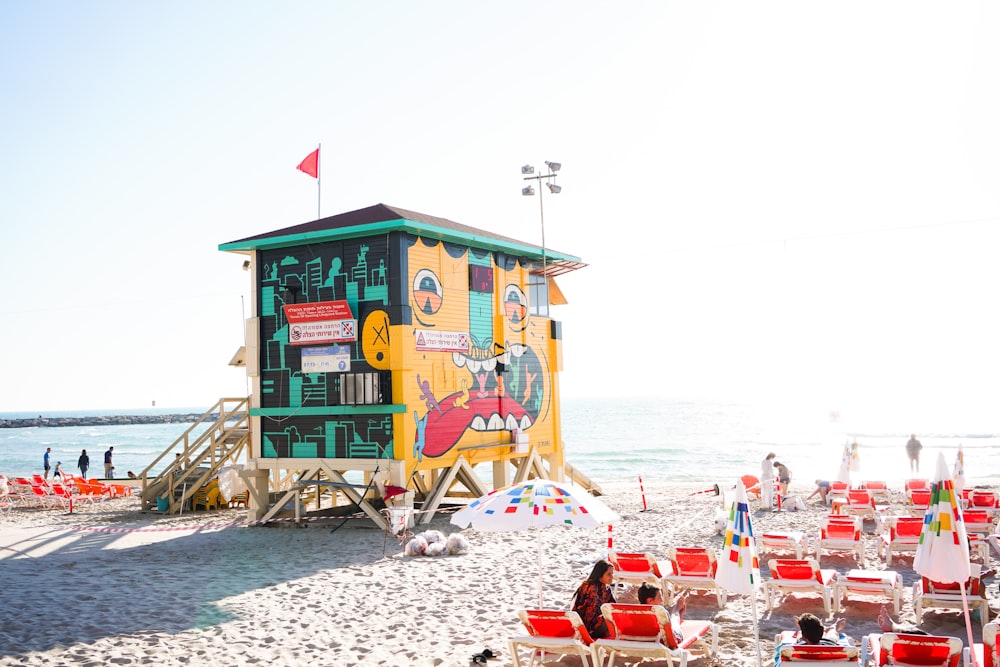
column 403, row 348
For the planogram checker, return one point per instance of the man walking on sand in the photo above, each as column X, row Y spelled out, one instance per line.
column 46, row 462
column 913, row 448
column 109, row 468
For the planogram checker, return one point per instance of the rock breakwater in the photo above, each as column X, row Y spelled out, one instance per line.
column 105, row 420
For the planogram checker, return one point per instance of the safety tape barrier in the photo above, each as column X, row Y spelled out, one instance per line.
column 232, row 524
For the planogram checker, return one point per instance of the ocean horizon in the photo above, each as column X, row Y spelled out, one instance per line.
column 612, row 441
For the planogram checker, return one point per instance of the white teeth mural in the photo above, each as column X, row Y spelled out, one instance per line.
column 461, row 360
column 489, row 365
column 458, row 359
column 498, row 423
column 473, row 365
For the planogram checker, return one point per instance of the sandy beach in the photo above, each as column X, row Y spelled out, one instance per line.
column 108, row 584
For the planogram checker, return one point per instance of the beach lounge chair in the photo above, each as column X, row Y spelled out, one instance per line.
column 884, row 583
column 977, row 521
column 890, row 648
column 879, row 490
column 901, row 533
column 44, row 498
column 860, row 502
column 693, row 568
column 840, row 533
column 837, row 490
column 986, row 652
column 983, row 498
column 787, row 650
column 929, row 594
column 783, row 541
column 916, row 485
column 645, row 631
column 917, row 501
column 798, row 576
column 553, row 631
column 635, row 568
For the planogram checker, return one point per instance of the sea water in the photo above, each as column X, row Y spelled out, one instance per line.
column 612, row 441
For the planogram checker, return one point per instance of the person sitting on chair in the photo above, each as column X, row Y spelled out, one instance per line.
column 651, row 594
column 812, row 631
column 591, row 594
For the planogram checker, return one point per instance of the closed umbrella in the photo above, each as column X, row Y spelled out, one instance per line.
column 943, row 552
column 535, row 503
column 844, row 474
column 959, row 471
column 739, row 570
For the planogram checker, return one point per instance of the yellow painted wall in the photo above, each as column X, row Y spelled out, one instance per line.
column 463, row 399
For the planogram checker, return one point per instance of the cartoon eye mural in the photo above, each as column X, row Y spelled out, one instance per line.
column 375, row 340
column 427, row 292
column 515, row 308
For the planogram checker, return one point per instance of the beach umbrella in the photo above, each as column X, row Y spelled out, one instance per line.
column 739, row 570
column 535, row 503
column 943, row 552
column 959, row 473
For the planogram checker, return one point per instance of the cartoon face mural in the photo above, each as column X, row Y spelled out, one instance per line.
column 499, row 378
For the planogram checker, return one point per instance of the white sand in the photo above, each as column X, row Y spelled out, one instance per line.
column 186, row 590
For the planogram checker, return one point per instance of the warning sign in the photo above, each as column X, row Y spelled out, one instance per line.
column 442, row 341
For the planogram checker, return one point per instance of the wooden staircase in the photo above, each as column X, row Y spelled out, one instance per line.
column 220, row 437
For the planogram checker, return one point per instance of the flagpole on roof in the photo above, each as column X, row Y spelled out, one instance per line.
column 319, row 190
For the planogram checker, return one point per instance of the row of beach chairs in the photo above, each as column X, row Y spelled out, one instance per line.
column 644, row 631
column 40, row 493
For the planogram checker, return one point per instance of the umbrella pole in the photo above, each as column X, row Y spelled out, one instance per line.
column 968, row 626
column 540, row 604
column 756, row 631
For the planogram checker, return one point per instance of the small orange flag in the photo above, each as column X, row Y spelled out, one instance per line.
column 311, row 164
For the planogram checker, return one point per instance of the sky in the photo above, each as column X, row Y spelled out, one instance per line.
column 795, row 201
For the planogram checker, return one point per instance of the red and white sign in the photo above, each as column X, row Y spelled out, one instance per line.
column 318, row 311
column 320, row 322
column 442, row 341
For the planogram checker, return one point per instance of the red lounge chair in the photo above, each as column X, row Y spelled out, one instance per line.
column 841, row 533
column 635, row 568
column 986, row 653
column 884, row 583
column 924, row 650
column 933, row 594
column 645, row 631
column 693, row 568
column 902, row 533
column 798, row 576
column 553, row 631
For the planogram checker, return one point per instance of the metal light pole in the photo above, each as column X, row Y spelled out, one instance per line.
column 550, row 182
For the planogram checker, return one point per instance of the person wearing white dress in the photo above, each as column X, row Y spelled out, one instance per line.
column 767, row 481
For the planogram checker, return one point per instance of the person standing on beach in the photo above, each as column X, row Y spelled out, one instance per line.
column 109, row 468
column 784, row 477
column 83, row 463
column 45, row 462
column 913, row 448
column 767, row 481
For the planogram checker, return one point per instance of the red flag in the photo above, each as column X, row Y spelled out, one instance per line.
column 311, row 164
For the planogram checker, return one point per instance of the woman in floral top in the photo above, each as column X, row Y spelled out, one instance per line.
column 591, row 594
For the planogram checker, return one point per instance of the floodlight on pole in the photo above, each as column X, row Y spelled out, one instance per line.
column 549, row 180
